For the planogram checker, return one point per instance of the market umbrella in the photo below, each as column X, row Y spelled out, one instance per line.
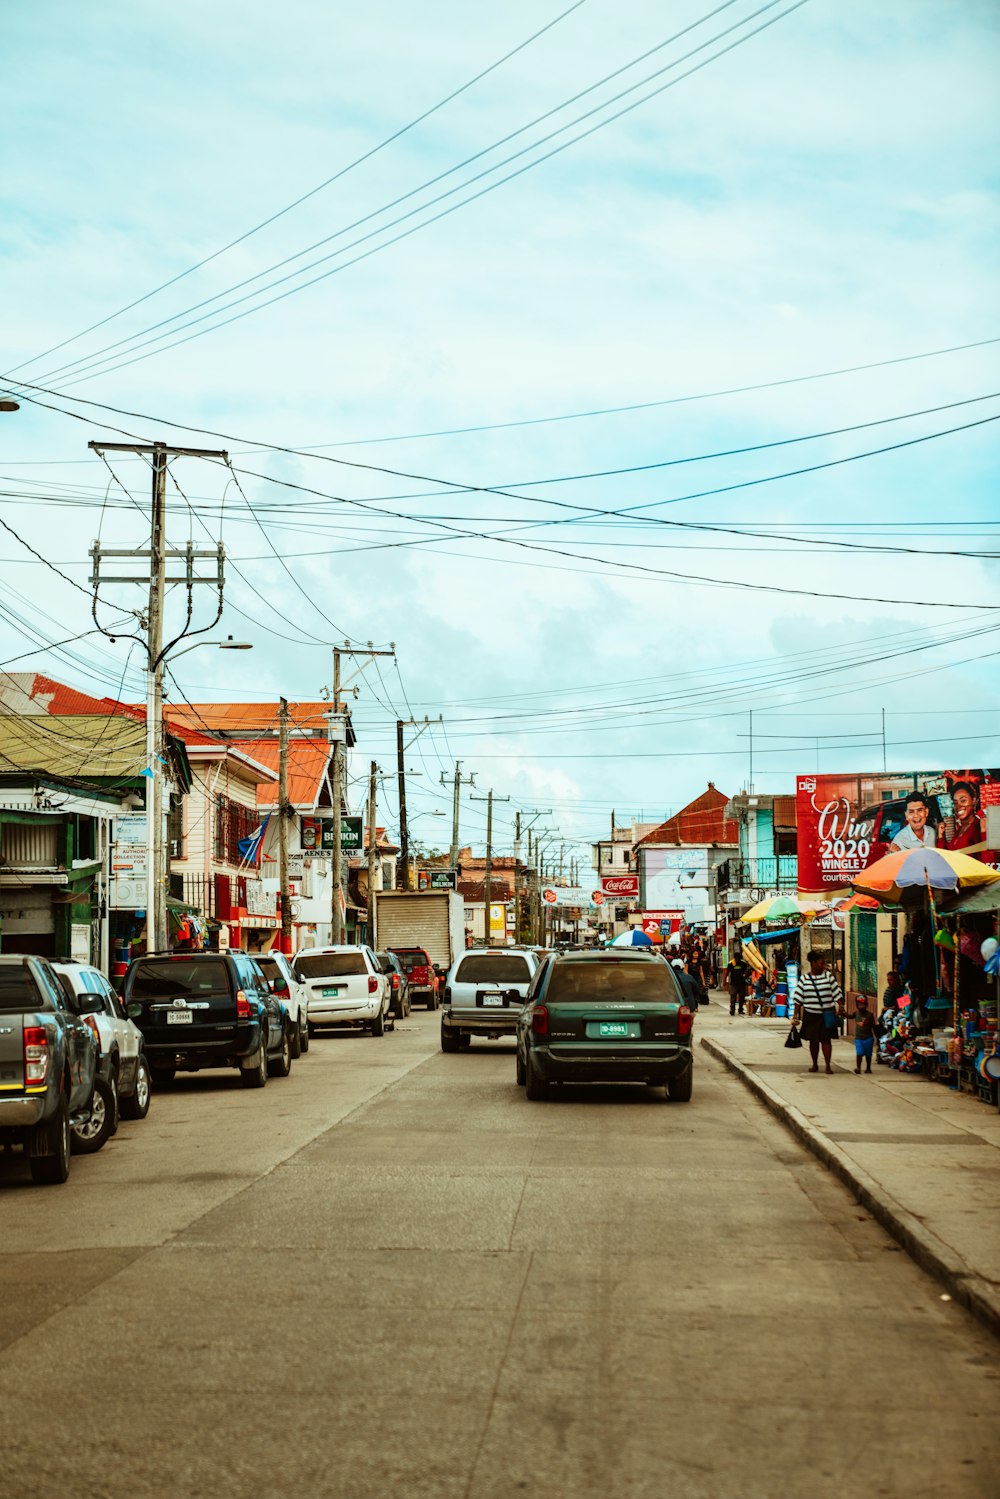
column 632, row 938
column 778, row 906
column 937, row 869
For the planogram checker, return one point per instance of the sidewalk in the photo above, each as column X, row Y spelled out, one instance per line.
column 924, row 1161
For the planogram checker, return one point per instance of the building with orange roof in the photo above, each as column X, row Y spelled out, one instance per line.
column 676, row 861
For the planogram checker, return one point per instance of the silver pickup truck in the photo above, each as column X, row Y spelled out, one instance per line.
column 48, row 1064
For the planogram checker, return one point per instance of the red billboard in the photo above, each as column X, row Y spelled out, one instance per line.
column 620, row 886
column 846, row 822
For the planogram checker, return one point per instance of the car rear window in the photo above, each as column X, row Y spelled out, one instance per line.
column 328, row 965
column 18, row 992
column 412, row 957
column 166, row 978
column 613, row 979
column 493, row 968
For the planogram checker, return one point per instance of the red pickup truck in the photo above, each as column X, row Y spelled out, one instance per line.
column 419, row 970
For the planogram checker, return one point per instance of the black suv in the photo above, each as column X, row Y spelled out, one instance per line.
column 208, row 1009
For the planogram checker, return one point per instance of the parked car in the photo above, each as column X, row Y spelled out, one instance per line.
column 48, row 1067
column 277, row 969
column 483, row 993
column 612, row 1016
column 121, row 1058
column 425, row 984
column 208, row 1009
column 345, row 986
column 398, row 983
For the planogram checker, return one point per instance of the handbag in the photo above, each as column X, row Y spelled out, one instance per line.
column 794, row 1039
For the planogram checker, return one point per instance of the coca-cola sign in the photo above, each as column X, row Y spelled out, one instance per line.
column 620, row 886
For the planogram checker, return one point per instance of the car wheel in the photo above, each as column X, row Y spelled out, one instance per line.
column 520, row 1071
column 51, row 1170
column 255, row 1076
column 535, row 1086
column 409, row 1006
column 294, row 1040
column 305, row 1035
column 450, row 1039
column 97, row 1129
column 433, row 1002
column 136, row 1106
column 679, row 1087
column 281, row 1065
column 163, row 1076
column 378, row 1025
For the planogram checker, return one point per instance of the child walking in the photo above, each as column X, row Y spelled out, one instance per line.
column 864, row 1034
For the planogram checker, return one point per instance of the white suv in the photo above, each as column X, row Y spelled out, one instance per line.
column 344, row 986
column 121, row 1060
column 483, row 995
column 277, row 969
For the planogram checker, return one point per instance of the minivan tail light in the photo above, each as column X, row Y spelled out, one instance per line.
column 242, row 1005
column 540, row 1020
column 373, row 986
column 36, row 1056
column 685, row 1020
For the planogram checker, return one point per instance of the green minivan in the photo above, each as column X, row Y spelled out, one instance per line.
column 611, row 1016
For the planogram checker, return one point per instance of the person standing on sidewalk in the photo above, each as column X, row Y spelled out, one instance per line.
column 818, row 997
column 864, row 1033
column 737, row 976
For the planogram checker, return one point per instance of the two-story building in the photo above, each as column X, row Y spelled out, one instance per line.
column 677, row 861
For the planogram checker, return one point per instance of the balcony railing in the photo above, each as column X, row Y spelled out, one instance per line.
column 780, row 872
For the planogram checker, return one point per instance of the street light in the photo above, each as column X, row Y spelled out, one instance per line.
column 7, row 403
column 229, row 644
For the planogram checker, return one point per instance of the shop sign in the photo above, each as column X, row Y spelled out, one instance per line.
column 620, row 887
column 661, row 923
column 127, row 888
column 261, row 901
column 498, row 920
column 437, row 879
column 846, row 822
column 316, row 834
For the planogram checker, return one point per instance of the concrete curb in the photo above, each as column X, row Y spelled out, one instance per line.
column 924, row 1247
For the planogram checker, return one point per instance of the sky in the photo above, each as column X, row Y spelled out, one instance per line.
column 818, row 197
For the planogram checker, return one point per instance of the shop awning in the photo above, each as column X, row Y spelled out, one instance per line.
column 788, row 931
column 985, row 899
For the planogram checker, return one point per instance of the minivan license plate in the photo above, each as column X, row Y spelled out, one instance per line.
column 492, row 999
column 613, row 1028
column 329, row 993
column 179, row 1017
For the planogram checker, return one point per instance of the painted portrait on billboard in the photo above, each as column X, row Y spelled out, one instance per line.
column 846, row 822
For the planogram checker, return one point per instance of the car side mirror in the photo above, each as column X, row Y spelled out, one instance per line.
column 89, row 1004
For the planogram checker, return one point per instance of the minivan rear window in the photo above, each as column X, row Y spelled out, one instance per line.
column 493, row 968
column 166, row 978
column 411, row 957
column 613, row 979
column 328, row 965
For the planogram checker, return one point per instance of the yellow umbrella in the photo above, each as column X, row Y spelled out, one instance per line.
column 778, row 906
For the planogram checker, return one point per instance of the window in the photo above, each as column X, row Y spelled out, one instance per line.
column 233, row 821
column 175, row 827
column 493, row 968
column 649, row 982
column 329, row 965
column 169, row 978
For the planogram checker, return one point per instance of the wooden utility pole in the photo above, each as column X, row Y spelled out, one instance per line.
column 372, row 853
column 286, row 902
column 339, row 723
column 403, row 866
column 159, row 454
column 489, row 799
column 458, row 781
column 517, row 876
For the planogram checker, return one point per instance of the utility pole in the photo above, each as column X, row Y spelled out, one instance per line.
column 159, row 454
column 372, row 852
column 403, row 867
column 458, row 781
column 286, row 904
column 488, row 874
column 339, row 723
column 517, row 876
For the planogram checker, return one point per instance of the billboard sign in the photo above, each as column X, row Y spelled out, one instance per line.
column 437, row 879
column 662, row 923
column 620, row 887
column 317, row 835
column 846, row 822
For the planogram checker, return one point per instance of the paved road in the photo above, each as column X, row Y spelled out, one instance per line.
column 392, row 1275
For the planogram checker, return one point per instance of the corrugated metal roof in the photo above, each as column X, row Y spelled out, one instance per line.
column 74, row 746
column 307, row 762
column 251, row 718
column 701, row 821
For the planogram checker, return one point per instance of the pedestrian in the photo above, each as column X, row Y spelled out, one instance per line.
column 864, row 1033
column 737, row 977
column 818, row 1005
column 894, row 990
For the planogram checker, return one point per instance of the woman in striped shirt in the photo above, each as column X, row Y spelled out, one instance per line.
column 817, row 997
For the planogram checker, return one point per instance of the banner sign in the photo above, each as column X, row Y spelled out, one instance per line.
column 661, row 923
column 317, row 834
column 846, row 822
column 620, row 887
column 127, row 889
column 574, row 896
column 437, row 879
